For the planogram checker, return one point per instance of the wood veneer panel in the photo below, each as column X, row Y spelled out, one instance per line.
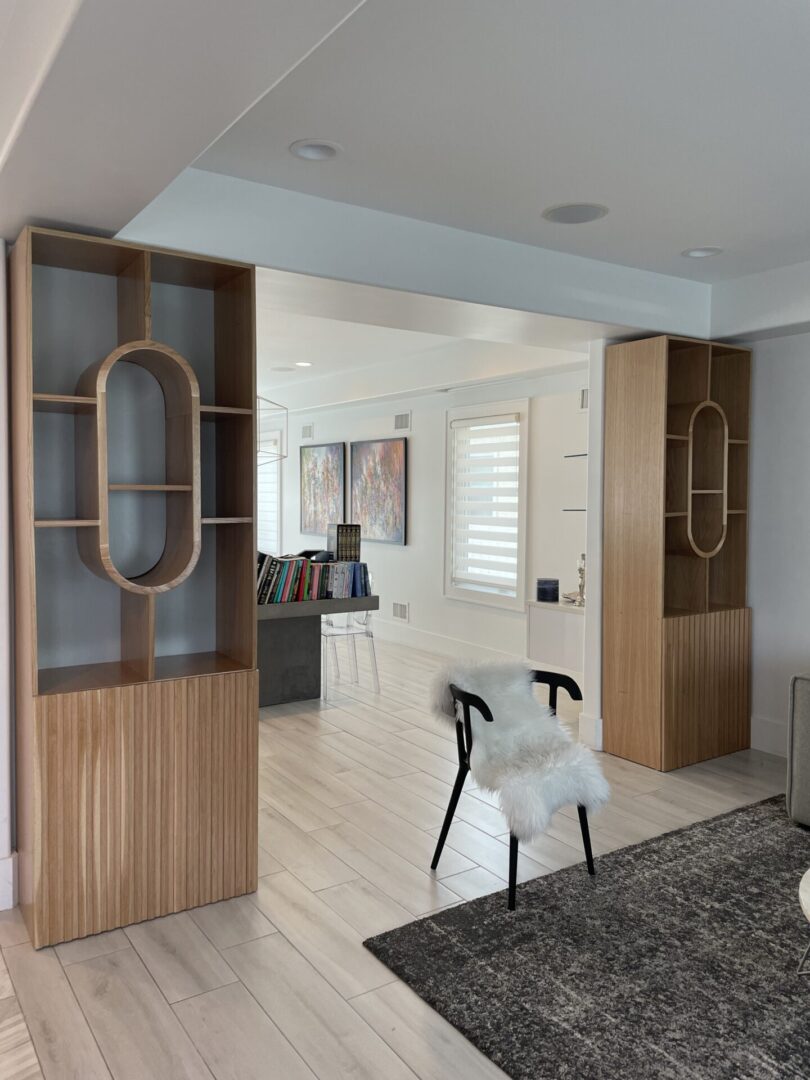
column 138, row 632
column 730, row 386
column 149, row 802
column 706, row 686
column 135, row 300
column 633, row 557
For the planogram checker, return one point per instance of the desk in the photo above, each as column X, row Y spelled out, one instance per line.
column 289, row 646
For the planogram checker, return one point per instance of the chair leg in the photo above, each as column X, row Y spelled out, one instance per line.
column 586, row 838
column 324, row 670
column 372, row 652
column 451, row 809
column 333, row 650
column 513, row 861
column 352, row 646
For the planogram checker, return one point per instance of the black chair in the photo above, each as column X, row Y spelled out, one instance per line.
column 464, row 740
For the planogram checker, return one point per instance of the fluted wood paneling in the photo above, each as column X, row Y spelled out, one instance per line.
column 148, row 797
column 706, row 686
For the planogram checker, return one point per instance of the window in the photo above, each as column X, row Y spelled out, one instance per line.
column 268, row 501
column 486, row 486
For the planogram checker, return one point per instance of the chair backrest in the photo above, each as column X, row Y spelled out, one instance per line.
column 466, row 701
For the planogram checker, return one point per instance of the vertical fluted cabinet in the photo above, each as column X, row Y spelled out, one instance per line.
column 133, row 456
column 676, row 629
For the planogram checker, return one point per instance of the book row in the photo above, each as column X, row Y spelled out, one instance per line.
column 294, row 578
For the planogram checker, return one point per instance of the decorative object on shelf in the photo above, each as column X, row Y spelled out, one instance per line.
column 344, row 542
column 272, row 422
column 580, row 600
column 677, row 632
column 548, row 590
column 379, row 489
column 322, row 486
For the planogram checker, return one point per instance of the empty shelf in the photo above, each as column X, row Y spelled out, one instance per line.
column 150, row 487
column 63, row 403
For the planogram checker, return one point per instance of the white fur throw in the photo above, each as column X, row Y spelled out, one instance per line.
column 524, row 755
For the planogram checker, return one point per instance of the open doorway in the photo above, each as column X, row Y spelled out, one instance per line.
column 356, row 364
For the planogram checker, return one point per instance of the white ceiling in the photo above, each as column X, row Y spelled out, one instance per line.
column 104, row 102
column 688, row 119
column 332, row 347
column 366, row 343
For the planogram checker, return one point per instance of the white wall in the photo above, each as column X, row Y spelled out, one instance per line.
column 414, row 574
column 779, row 531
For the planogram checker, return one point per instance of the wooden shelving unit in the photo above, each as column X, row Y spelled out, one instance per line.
column 135, row 628
column 676, row 627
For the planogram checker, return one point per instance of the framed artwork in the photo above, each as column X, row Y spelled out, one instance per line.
column 378, row 489
column 322, row 486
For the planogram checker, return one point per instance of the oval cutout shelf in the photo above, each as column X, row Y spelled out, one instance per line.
column 181, row 395
column 707, row 510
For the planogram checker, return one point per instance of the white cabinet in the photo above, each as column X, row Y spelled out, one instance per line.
column 556, row 637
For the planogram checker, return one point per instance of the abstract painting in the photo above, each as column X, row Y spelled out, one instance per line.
column 378, row 488
column 322, row 487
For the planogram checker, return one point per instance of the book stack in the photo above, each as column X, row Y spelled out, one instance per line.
column 344, row 542
column 293, row 578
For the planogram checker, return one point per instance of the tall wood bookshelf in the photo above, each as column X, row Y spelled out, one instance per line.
column 133, row 457
column 676, row 629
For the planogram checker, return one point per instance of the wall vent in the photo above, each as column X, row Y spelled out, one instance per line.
column 402, row 421
column 308, row 431
column 583, row 399
column 401, row 612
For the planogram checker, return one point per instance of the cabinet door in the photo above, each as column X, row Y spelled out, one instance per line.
column 707, row 708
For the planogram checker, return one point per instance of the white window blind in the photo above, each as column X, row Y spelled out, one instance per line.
column 268, row 501
column 485, row 514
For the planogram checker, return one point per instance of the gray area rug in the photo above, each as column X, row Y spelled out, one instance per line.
column 677, row 961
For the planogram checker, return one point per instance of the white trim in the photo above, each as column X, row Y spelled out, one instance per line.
column 769, row 735
column 8, row 882
column 590, row 730
column 517, row 409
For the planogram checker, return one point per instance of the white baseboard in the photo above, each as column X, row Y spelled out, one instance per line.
column 590, row 731
column 427, row 641
column 8, row 882
column 768, row 735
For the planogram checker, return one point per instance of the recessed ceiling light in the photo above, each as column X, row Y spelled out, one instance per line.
column 575, row 213
column 314, row 149
column 283, row 368
column 303, row 363
column 701, row 253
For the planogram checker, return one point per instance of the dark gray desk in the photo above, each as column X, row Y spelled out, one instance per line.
column 289, row 646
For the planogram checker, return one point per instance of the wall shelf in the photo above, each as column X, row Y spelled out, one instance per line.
column 222, row 412
column 65, row 523
column 227, row 521
column 149, row 487
column 63, row 403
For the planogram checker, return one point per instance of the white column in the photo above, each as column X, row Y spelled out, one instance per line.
column 590, row 724
column 8, row 892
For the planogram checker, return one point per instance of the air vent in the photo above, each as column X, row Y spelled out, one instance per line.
column 308, row 431
column 401, row 611
column 402, row 421
column 583, row 399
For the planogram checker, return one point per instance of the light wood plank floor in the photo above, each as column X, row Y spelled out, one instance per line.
column 278, row 985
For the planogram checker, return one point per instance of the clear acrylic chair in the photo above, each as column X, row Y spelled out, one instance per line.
column 354, row 625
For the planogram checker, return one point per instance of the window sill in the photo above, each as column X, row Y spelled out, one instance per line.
column 485, row 599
